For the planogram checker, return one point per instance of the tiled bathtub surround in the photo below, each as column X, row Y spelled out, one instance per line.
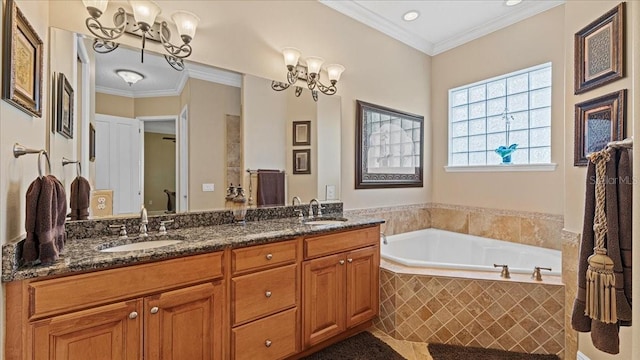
column 398, row 219
column 570, row 252
column 530, row 228
column 507, row 315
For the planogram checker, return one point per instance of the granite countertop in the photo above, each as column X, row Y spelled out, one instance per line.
column 84, row 254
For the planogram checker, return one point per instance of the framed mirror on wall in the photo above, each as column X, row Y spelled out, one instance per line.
column 389, row 147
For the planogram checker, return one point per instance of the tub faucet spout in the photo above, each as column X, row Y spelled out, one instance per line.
column 505, row 271
column 384, row 238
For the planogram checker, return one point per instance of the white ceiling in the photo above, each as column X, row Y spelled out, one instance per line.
column 443, row 24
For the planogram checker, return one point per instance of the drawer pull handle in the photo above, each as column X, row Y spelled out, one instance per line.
column 154, row 310
column 350, row 260
column 341, row 262
column 267, row 294
column 267, row 343
column 269, row 256
column 133, row 315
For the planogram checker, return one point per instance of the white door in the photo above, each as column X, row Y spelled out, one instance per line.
column 118, row 161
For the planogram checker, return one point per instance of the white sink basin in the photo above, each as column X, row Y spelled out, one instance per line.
column 142, row 245
column 320, row 222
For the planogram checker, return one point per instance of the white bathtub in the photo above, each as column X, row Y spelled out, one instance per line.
column 435, row 248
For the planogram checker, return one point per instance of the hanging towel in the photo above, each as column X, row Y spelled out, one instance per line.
column 618, row 185
column 270, row 187
column 79, row 199
column 46, row 206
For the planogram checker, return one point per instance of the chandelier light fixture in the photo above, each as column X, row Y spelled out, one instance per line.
column 129, row 76
column 310, row 74
column 142, row 22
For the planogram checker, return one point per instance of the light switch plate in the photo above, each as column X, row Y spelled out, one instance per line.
column 330, row 193
column 208, row 187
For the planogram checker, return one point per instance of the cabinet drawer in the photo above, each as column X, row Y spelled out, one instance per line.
column 334, row 243
column 271, row 338
column 263, row 256
column 69, row 293
column 262, row 293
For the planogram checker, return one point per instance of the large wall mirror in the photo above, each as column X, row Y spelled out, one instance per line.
column 174, row 141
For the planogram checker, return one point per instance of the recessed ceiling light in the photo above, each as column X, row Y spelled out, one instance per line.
column 411, row 15
column 512, row 2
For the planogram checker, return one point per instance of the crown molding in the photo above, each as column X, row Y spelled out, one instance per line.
column 358, row 12
column 215, row 75
column 371, row 19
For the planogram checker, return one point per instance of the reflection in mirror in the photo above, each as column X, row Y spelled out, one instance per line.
column 176, row 140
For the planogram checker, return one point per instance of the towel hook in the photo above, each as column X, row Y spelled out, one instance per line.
column 66, row 161
column 19, row 150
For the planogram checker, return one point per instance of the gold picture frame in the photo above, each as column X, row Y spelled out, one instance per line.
column 21, row 62
column 599, row 51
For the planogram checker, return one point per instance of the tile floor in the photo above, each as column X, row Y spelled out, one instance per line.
column 409, row 349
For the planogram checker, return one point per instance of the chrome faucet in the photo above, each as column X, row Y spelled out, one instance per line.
column 293, row 202
column 311, row 208
column 144, row 220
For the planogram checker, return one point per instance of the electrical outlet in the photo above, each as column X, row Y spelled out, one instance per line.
column 208, row 187
column 330, row 193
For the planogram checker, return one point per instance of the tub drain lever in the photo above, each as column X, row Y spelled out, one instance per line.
column 505, row 271
column 537, row 276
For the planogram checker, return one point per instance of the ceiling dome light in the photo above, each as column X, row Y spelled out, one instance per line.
column 411, row 15
column 512, row 2
column 129, row 76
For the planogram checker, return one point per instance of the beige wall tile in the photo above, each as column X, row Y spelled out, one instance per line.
column 450, row 220
column 499, row 227
column 541, row 232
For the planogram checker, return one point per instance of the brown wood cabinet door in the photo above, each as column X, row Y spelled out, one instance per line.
column 362, row 285
column 111, row 332
column 323, row 296
column 185, row 323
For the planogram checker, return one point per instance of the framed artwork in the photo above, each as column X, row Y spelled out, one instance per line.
column 389, row 147
column 64, row 107
column 21, row 62
column 301, row 133
column 92, row 142
column 599, row 51
column 302, row 161
column 598, row 121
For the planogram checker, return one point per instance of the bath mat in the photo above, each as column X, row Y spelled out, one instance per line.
column 455, row 352
column 363, row 346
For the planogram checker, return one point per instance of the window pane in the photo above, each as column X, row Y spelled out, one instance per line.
column 520, row 156
column 495, row 124
column 540, row 155
column 459, row 159
column 519, row 120
column 540, row 117
column 459, row 145
column 477, row 158
column 541, row 137
column 477, row 110
column 459, row 97
column 416, row 135
column 540, row 98
column 477, row 93
column 495, row 106
column 493, row 158
column 517, row 84
column 517, row 102
column 496, row 89
column 460, row 113
column 477, row 127
column 540, row 78
column 495, row 140
column 459, row 129
column 478, row 142
column 520, row 137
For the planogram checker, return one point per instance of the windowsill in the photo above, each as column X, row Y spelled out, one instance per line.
column 502, row 168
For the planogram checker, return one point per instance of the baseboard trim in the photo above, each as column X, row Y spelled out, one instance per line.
column 581, row 356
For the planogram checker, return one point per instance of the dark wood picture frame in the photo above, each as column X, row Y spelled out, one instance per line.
column 301, row 133
column 64, row 107
column 599, row 51
column 597, row 122
column 302, row 161
column 409, row 130
column 22, row 64
column 92, row 142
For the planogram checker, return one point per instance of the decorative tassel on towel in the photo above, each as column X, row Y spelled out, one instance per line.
column 600, row 290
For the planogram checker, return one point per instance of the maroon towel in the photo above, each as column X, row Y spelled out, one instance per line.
column 79, row 199
column 270, row 187
column 46, row 206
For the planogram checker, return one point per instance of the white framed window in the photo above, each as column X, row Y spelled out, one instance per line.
column 514, row 108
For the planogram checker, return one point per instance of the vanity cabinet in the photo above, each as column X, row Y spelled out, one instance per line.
column 162, row 310
column 340, row 283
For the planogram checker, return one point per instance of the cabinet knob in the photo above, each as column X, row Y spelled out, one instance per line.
column 133, row 315
column 269, row 256
column 267, row 294
column 154, row 310
column 267, row 343
column 341, row 262
column 349, row 260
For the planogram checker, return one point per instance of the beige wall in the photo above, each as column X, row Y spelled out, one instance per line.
column 531, row 42
column 115, row 105
column 156, row 106
column 577, row 15
column 159, row 170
